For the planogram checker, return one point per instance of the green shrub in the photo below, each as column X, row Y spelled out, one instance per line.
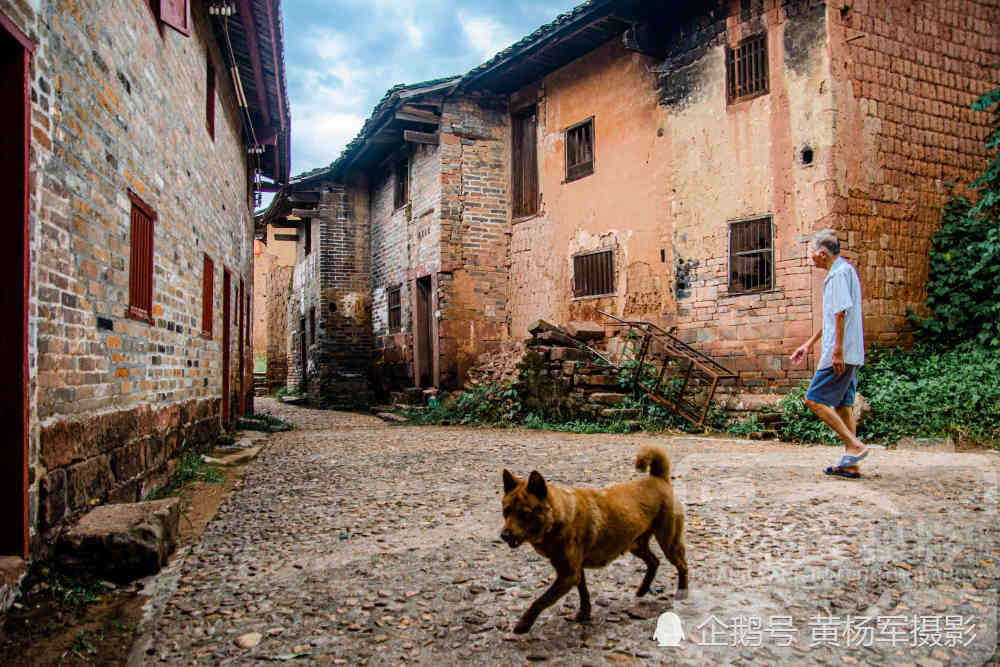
column 932, row 392
column 801, row 425
column 746, row 427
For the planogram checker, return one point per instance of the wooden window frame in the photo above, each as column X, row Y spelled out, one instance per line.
column 208, row 298
column 747, row 69
column 766, row 252
column 181, row 22
column 593, row 284
column 210, row 94
column 524, row 163
column 580, row 170
column 141, row 260
column 394, row 308
column 401, row 183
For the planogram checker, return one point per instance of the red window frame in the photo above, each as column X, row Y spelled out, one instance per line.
column 140, row 271
column 176, row 14
column 210, row 98
column 208, row 298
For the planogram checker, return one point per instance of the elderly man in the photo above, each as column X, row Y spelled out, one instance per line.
column 831, row 394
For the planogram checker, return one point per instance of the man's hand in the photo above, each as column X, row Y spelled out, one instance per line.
column 800, row 354
column 838, row 362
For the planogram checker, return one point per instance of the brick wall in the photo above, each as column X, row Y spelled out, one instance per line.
column 118, row 106
column 474, row 228
column 277, row 286
column 906, row 132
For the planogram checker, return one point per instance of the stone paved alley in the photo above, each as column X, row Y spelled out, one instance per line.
column 351, row 541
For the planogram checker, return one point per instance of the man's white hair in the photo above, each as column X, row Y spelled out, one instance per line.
column 826, row 239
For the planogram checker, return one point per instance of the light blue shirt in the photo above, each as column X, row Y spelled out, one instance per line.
column 842, row 292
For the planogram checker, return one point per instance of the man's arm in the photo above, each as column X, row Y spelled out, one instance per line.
column 838, row 345
column 801, row 353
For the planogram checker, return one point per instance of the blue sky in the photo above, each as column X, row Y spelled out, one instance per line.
column 342, row 55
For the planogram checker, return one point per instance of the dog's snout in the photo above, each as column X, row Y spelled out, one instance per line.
column 508, row 537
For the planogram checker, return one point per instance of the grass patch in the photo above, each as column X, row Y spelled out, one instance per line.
column 190, row 468
column 67, row 588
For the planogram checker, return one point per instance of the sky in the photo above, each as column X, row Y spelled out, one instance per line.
column 342, row 55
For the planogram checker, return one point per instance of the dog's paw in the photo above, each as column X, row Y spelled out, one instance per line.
column 522, row 627
column 582, row 616
column 642, row 591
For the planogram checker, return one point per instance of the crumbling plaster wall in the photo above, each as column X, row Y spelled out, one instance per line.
column 622, row 205
column 740, row 160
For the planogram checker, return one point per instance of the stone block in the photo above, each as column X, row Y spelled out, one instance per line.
column 606, row 398
column 52, row 498
column 585, row 330
column 87, row 481
column 122, row 542
column 568, row 354
column 541, row 326
column 599, row 380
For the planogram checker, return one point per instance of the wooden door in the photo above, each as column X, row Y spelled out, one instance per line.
column 423, row 324
column 227, row 325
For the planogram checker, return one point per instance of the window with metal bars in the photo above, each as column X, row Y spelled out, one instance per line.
column 395, row 307
column 402, row 191
column 140, row 282
column 207, row 297
column 524, row 163
column 580, row 150
column 747, row 69
column 751, row 255
column 594, row 273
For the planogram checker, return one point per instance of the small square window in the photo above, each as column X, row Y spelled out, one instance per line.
column 594, row 273
column 746, row 69
column 395, row 308
column 751, row 255
column 580, row 150
column 402, row 183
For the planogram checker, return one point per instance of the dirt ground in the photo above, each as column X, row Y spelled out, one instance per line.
column 42, row 631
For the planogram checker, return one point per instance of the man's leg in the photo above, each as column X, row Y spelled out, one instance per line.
column 846, row 414
column 834, row 420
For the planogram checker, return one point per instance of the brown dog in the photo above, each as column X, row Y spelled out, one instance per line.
column 589, row 528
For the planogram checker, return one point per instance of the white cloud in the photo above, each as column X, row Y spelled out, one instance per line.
column 485, row 34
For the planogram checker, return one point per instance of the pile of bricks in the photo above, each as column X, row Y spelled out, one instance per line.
column 499, row 367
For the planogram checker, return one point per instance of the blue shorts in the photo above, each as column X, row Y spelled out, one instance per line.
column 834, row 390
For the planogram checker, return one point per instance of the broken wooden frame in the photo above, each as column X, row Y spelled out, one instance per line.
column 700, row 374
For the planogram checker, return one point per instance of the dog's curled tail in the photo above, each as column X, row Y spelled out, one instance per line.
column 655, row 460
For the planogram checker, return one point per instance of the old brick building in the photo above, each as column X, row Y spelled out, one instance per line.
column 664, row 162
column 131, row 162
column 274, row 262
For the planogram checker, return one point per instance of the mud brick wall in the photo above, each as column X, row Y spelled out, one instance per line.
column 906, row 133
column 277, row 283
column 743, row 160
column 472, row 287
column 118, row 106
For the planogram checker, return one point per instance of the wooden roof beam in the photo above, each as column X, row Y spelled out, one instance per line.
column 246, row 18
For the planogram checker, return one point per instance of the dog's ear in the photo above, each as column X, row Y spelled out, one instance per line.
column 536, row 485
column 509, row 482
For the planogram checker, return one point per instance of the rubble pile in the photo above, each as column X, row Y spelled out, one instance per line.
column 500, row 367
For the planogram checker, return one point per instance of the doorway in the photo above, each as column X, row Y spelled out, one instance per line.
column 227, row 325
column 242, row 401
column 424, row 326
column 15, row 53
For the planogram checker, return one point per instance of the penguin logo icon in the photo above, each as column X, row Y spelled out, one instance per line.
column 668, row 629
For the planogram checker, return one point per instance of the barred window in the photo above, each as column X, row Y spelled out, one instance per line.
column 746, row 69
column 594, row 273
column 395, row 308
column 751, row 255
column 580, row 150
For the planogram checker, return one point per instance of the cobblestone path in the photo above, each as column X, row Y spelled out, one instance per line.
column 355, row 542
